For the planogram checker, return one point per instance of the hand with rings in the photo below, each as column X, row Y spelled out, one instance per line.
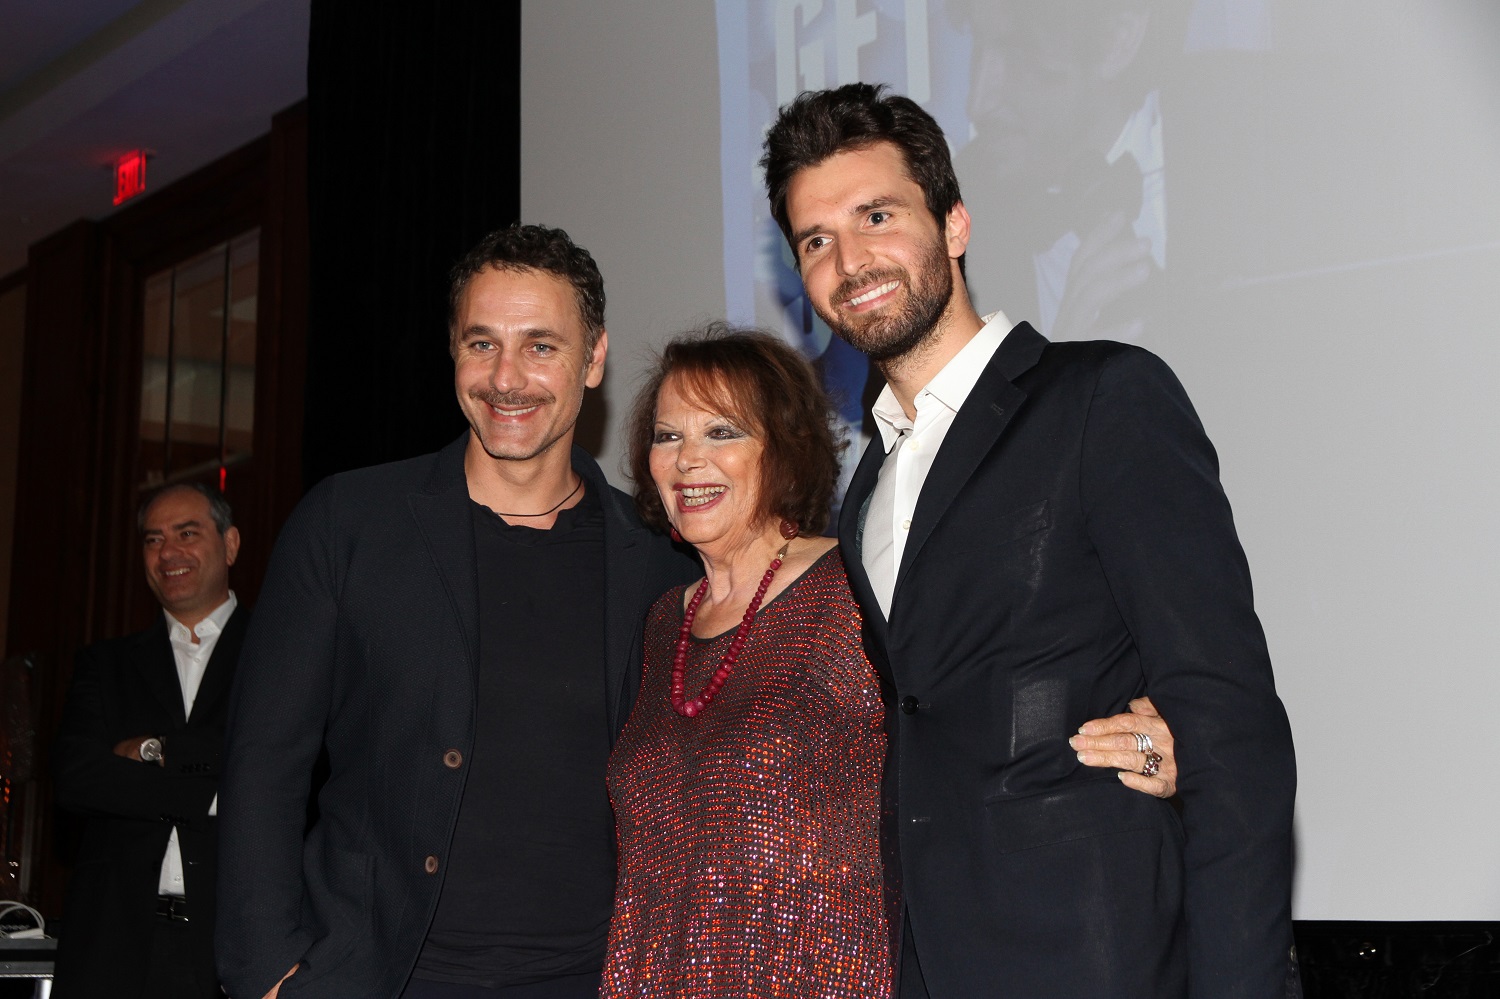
column 1152, row 765
column 1137, row 743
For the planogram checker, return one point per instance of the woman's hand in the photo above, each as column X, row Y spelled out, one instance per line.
column 1111, row 742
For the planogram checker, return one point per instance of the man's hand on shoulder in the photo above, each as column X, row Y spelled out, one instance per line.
column 1112, row 742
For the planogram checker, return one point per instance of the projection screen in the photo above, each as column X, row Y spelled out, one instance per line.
column 1316, row 184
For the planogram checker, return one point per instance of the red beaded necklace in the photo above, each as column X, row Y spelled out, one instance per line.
column 691, row 708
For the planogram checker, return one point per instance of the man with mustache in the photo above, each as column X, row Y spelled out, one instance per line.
column 462, row 632
column 1039, row 535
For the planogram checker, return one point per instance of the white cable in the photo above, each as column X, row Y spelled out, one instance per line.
column 36, row 932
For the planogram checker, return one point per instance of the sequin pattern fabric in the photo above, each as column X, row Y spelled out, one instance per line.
column 749, row 857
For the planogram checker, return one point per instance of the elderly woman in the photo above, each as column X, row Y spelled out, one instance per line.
column 746, row 784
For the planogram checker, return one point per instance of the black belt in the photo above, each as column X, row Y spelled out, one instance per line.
column 173, row 907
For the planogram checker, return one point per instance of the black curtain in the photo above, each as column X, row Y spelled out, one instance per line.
column 414, row 131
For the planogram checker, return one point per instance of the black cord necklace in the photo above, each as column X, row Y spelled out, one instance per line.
column 545, row 512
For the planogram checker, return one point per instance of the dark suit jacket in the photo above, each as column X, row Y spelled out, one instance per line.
column 124, row 688
column 1072, row 549
column 366, row 639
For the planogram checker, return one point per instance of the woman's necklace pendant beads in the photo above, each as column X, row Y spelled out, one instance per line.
column 680, row 704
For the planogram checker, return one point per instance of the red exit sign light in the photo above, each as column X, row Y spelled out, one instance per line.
column 130, row 175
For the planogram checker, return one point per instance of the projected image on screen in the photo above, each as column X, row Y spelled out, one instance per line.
column 1056, row 113
column 1067, row 162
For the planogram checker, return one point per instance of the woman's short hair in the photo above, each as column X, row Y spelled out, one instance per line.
column 769, row 389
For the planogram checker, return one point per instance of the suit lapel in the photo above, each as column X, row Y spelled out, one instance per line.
column 624, row 576
column 441, row 512
column 857, row 498
column 154, row 660
column 977, row 427
column 220, row 669
column 851, row 537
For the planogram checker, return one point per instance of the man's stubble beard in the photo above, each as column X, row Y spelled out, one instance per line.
column 888, row 338
column 503, row 401
column 505, row 454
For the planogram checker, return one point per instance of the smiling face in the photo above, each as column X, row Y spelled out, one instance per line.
column 521, row 362
column 707, row 470
column 187, row 559
column 876, row 266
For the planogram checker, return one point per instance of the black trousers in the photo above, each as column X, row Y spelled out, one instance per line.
column 171, row 970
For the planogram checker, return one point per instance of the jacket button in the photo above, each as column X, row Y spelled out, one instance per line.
column 453, row 759
column 909, row 705
column 430, row 866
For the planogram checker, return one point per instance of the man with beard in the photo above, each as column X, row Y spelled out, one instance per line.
column 462, row 634
column 1040, row 536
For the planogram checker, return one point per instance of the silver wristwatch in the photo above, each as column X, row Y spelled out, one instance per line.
column 151, row 751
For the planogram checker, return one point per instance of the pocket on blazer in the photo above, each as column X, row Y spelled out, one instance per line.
column 1098, row 807
column 343, row 909
column 1012, row 525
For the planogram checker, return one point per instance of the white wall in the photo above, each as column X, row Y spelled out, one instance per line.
column 620, row 147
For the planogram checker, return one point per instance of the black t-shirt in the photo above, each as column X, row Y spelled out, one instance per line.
column 531, row 874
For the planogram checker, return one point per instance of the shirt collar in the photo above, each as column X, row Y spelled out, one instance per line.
column 209, row 627
column 1141, row 136
column 950, row 387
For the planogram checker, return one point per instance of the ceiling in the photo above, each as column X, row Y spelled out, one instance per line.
column 83, row 81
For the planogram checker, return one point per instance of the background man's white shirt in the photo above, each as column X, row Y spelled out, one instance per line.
column 192, row 660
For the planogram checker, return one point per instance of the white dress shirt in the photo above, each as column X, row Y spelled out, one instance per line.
column 192, row 660
column 911, row 446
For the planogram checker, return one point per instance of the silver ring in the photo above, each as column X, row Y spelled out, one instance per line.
column 1142, row 742
column 1153, row 764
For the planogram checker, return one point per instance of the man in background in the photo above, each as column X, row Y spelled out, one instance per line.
column 138, row 756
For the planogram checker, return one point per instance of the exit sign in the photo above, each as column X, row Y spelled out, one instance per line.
column 130, row 175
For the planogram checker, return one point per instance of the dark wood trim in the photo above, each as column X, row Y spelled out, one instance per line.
column 13, row 280
column 281, row 362
column 67, row 363
column 76, row 573
column 217, row 203
column 188, row 216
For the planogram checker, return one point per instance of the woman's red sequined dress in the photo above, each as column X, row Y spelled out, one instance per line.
column 749, row 856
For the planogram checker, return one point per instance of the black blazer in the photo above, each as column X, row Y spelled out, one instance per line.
column 366, row 639
column 123, row 688
column 1072, row 549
